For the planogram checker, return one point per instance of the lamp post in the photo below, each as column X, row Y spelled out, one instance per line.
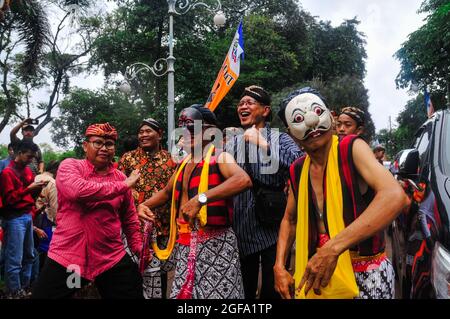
column 165, row 66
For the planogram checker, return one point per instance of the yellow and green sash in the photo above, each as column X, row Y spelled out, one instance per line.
column 164, row 254
column 342, row 284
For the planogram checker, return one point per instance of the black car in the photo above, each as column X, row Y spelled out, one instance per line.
column 421, row 233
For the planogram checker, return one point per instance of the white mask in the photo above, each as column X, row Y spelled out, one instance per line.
column 307, row 114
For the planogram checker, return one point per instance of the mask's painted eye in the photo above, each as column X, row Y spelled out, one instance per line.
column 318, row 110
column 298, row 118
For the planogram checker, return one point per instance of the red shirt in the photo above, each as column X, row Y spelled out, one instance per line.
column 16, row 198
column 92, row 211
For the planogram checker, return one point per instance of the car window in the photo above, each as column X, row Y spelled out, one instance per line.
column 446, row 149
column 422, row 145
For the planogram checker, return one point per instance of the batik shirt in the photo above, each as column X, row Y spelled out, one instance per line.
column 156, row 171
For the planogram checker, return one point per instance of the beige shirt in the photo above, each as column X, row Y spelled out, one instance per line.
column 48, row 195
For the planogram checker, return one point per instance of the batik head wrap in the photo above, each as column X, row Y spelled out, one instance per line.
column 104, row 130
column 154, row 124
column 356, row 114
column 260, row 95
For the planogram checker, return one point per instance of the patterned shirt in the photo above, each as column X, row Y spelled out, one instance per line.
column 156, row 171
column 92, row 211
column 270, row 168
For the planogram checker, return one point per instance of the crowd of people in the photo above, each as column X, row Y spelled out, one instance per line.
column 222, row 217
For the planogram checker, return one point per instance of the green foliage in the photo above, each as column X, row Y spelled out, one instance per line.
column 30, row 21
column 58, row 156
column 409, row 121
column 425, row 56
column 3, row 151
column 48, row 154
column 48, row 60
column 425, row 62
column 338, row 51
column 84, row 107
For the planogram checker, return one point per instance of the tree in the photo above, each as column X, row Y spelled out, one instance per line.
column 49, row 154
column 24, row 24
column 82, row 108
column 47, row 66
column 337, row 51
column 425, row 56
column 409, row 121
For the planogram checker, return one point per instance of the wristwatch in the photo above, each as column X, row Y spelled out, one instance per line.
column 202, row 199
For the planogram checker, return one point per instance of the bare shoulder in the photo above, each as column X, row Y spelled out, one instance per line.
column 362, row 152
column 225, row 158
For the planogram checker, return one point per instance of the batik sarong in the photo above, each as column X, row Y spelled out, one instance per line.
column 378, row 283
column 217, row 273
column 152, row 275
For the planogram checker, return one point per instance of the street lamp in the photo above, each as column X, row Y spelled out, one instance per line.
column 165, row 66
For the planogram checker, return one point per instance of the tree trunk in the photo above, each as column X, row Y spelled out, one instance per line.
column 6, row 118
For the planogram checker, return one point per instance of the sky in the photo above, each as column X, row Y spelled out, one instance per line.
column 386, row 24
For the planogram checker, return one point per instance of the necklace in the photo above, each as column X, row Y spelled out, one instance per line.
column 321, row 215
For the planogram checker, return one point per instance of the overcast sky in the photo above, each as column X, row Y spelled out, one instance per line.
column 386, row 24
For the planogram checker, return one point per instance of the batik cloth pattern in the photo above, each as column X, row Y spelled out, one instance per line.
column 151, row 277
column 217, row 268
column 378, row 283
column 155, row 171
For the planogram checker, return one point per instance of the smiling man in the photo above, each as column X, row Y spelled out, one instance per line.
column 156, row 167
column 340, row 201
column 94, row 206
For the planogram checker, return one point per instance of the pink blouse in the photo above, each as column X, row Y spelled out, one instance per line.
column 93, row 209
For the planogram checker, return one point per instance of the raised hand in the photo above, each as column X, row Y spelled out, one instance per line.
column 254, row 136
column 133, row 178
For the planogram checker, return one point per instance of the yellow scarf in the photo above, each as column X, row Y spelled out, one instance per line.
column 164, row 254
column 342, row 284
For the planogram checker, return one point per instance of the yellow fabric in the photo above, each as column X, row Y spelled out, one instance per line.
column 164, row 254
column 342, row 284
column 203, row 186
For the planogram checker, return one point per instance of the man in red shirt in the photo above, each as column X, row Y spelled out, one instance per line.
column 18, row 190
column 94, row 205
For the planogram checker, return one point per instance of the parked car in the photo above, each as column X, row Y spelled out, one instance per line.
column 421, row 233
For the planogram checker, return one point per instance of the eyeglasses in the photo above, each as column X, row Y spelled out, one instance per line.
column 249, row 102
column 99, row 144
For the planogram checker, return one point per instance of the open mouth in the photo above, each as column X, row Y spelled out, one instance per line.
column 244, row 114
